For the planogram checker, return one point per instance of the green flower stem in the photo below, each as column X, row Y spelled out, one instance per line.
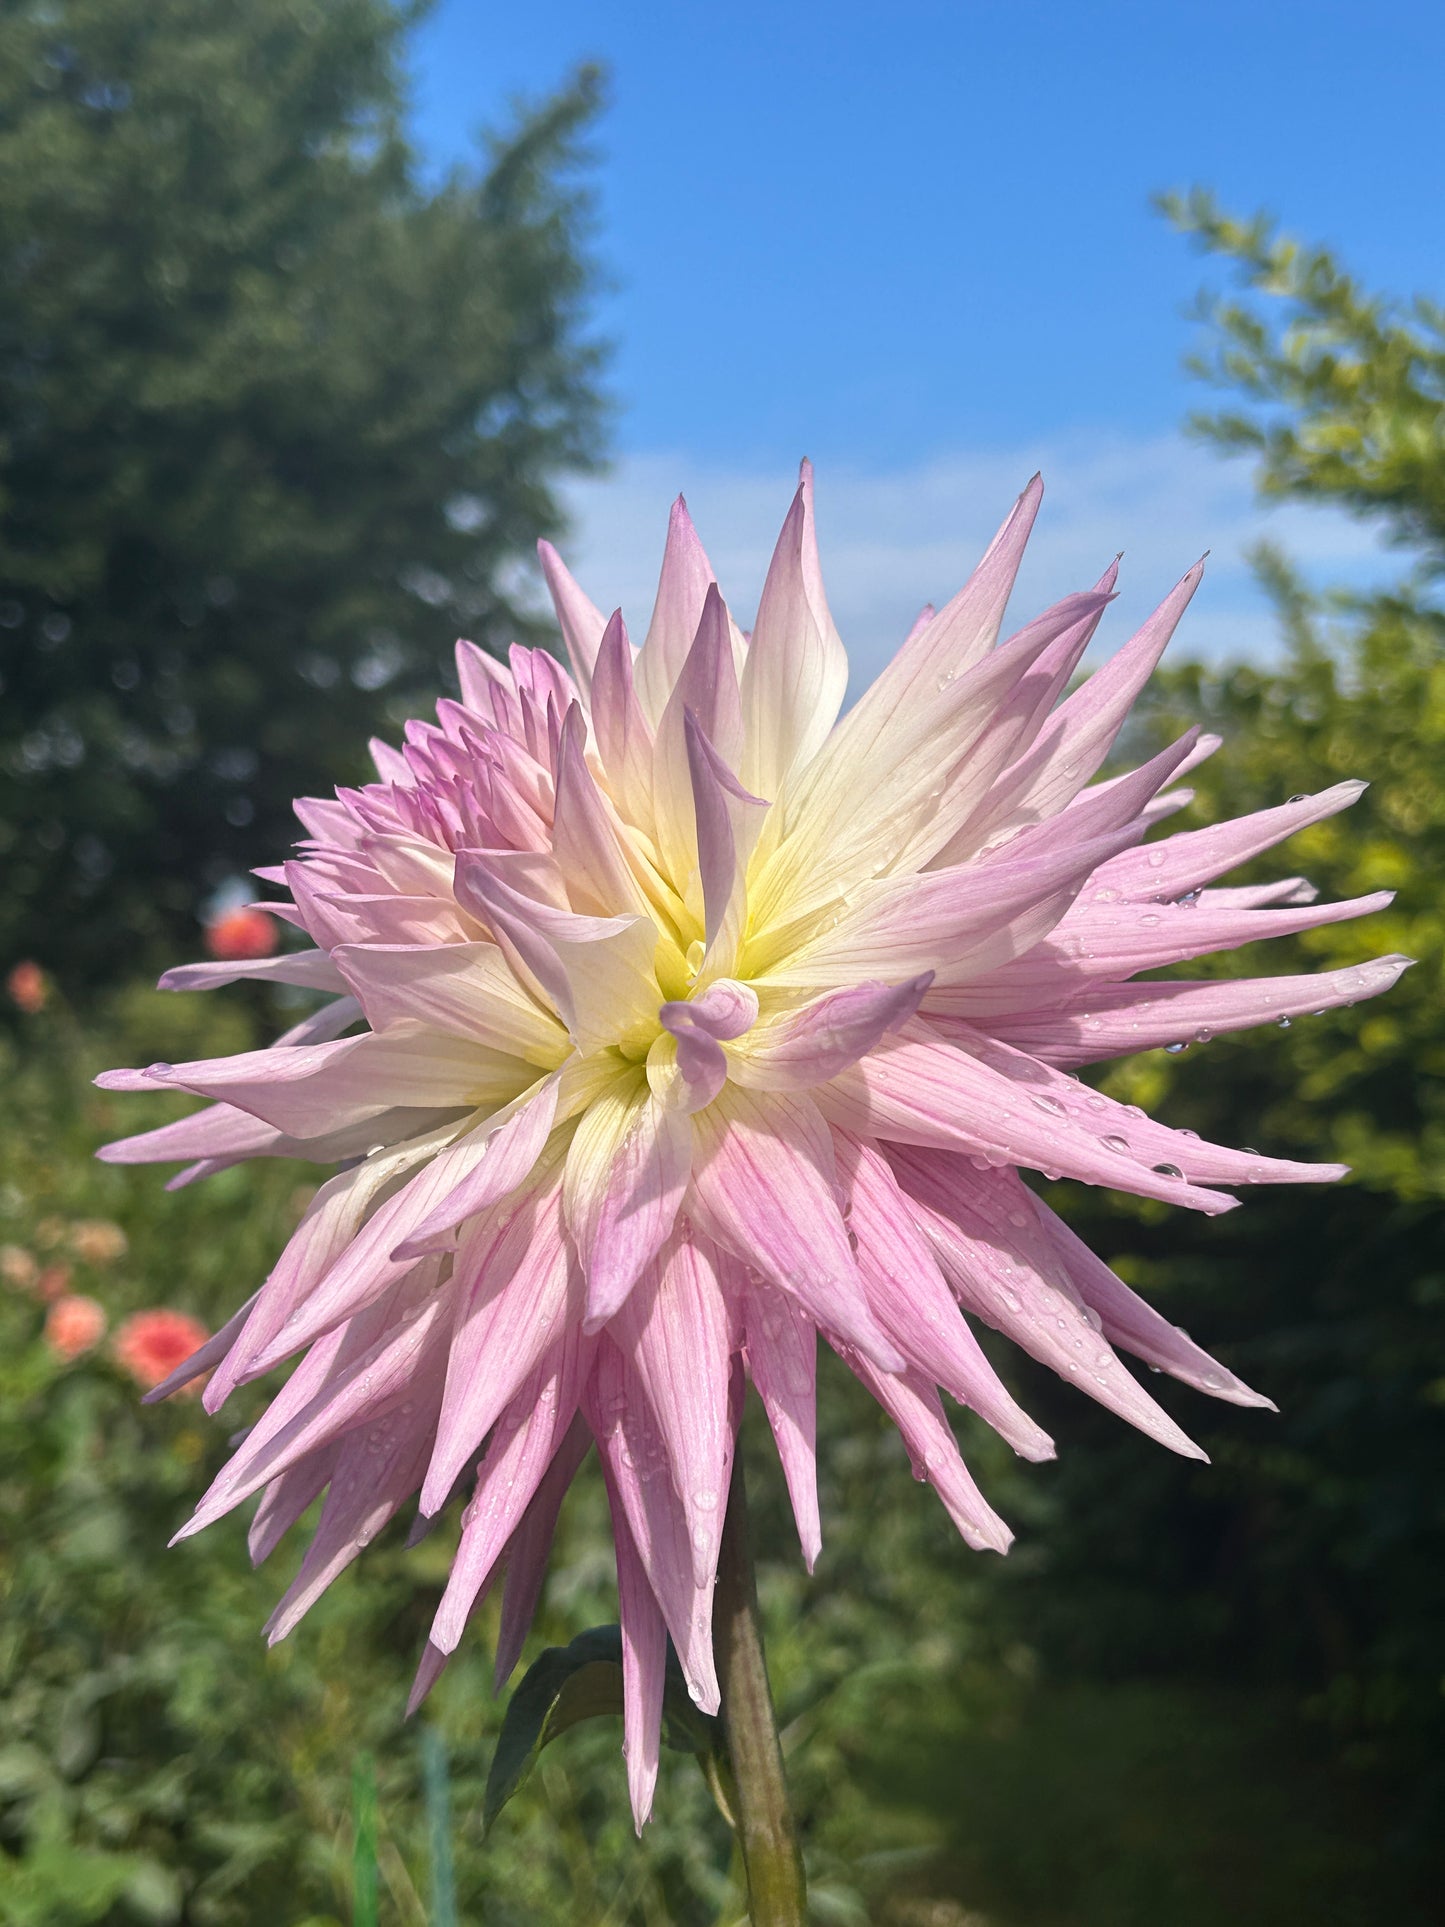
column 777, row 1893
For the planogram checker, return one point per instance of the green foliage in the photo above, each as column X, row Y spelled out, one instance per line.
column 277, row 423
column 1343, row 389
column 158, row 1764
column 1310, row 1557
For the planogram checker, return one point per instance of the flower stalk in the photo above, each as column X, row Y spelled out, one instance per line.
column 767, row 1836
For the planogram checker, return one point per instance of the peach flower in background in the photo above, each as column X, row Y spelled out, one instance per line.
column 19, row 1268
column 73, row 1326
column 96, row 1241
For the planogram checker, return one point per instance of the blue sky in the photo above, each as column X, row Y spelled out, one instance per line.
column 914, row 241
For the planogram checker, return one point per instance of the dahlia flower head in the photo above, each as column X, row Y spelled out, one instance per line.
column 674, row 1023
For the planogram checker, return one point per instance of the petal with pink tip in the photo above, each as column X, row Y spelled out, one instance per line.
column 627, row 1169
column 915, row 1089
column 676, row 1330
column 764, row 1188
column 529, row 1546
column 578, row 617
column 912, row 1403
column 796, row 673
column 517, row 1290
column 634, row 1457
column 913, row 1303
column 529, row 1432
column 1115, row 1020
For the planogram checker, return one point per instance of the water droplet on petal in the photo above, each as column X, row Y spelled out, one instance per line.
column 1114, row 1143
column 1049, row 1104
column 1301, row 798
column 1156, row 859
column 1173, row 1050
column 1282, row 1022
column 1168, row 1170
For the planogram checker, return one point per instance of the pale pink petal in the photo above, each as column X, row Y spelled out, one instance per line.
column 1114, row 1020
column 631, row 1446
column 644, row 1668
column 782, row 1346
column 285, row 1500
column 682, row 589
column 624, row 735
column 465, row 989
column 517, row 1290
column 529, row 1546
column 811, row 1045
column 509, row 1145
column 578, row 617
column 796, row 673
column 1193, row 857
column 676, row 1330
column 915, row 1089
column 912, row 1403
column 310, row 969
column 627, row 1169
column 986, row 1228
column 764, row 1188
column 913, row 1304
column 529, row 1432
column 589, row 852
column 727, row 821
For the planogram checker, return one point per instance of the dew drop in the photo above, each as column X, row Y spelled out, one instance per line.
column 1151, row 919
column 1092, row 1319
column 1156, row 859
column 705, row 1501
column 1114, row 1143
column 1168, row 1170
column 1190, row 899
column 1301, row 798
column 1106, row 896
column 1173, row 1050
column 1049, row 1104
column 1282, row 1022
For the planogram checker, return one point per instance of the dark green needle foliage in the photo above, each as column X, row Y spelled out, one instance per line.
column 278, row 420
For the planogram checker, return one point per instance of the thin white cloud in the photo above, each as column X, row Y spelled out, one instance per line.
column 894, row 539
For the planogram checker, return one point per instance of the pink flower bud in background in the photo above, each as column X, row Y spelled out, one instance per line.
column 73, row 1326
column 153, row 1343
column 27, row 988
column 241, row 934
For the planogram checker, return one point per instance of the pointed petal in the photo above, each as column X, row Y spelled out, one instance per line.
column 764, row 1189
column 676, row 1330
column 627, row 1169
column 578, row 617
column 529, row 1547
column 796, row 673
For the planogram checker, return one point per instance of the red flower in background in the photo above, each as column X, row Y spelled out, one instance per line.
column 152, row 1343
column 27, row 987
column 241, row 934
column 73, row 1326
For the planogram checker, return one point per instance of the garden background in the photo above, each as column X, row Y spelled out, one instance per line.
column 283, row 404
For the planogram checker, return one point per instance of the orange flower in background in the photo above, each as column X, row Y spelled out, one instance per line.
column 19, row 1268
column 73, row 1326
column 241, row 934
column 96, row 1241
column 151, row 1344
column 27, row 987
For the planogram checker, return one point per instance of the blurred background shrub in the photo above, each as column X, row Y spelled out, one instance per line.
column 276, row 422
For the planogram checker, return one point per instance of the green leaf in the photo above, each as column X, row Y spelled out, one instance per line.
column 583, row 1681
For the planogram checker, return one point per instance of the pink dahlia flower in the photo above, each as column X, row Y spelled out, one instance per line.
column 677, row 1023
